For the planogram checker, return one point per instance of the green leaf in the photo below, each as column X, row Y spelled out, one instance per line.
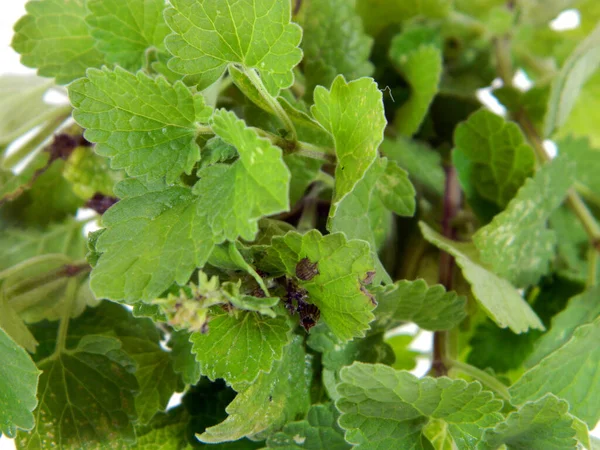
column 423, row 164
column 22, row 105
column 167, row 431
column 496, row 296
column 365, row 212
column 125, row 31
column 421, row 67
column 86, row 397
column 54, row 38
column 431, row 308
column 334, row 43
column 144, row 125
column 517, row 243
column 336, row 290
column 385, row 408
column 217, row 151
column 20, row 244
column 587, row 163
column 266, row 404
column 209, row 35
column 543, row 424
column 378, row 14
column 581, row 310
column 319, row 431
column 577, row 69
column 337, row 354
column 501, row 158
column 184, row 360
column 90, row 174
column 353, row 114
column 238, row 349
column 569, row 372
column 18, row 387
column 304, row 171
column 14, row 326
column 140, row 260
column 583, row 117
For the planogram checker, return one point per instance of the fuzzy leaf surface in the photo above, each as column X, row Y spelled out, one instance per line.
column 54, row 38
column 144, row 125
column 385, row 408
column 208, row 35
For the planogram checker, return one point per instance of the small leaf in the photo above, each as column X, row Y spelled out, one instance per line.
column 266, row 404
column 146, row 126
column 431, row 308
column 517, row 243
column 587, row 163
column 569, row 372
column 18, row 387
column 385, row 408
column 333, row 43
column 184, row 360
column 421, row 67
column 211, row 34
column 238, row 349
column 496, row 296
column 353, row 114
column 337, row 291
column 580, row 66
column 125, row 31
column 319, row 431
column 501, row 158
column 54, row 38
column 543, row 424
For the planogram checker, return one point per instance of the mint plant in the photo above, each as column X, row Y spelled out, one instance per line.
column 276, row 188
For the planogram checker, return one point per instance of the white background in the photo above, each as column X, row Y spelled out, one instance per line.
column 9, row 63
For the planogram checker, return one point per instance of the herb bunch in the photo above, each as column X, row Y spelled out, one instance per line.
column 279, row 186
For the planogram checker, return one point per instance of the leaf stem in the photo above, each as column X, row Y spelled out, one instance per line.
column 592, row 267
column 272, row 102
column 58, row 117
column 577, row 205
column 51, row 257
column 485, row 378
column 63, row 328
column 452, row 201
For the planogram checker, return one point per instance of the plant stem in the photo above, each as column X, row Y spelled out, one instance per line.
column 273, row 103
column 51, row 257
column 485, row 378
column 58, row 117
column 452, row 201
column 592, row 267
column 574, row 201
column 63, row 328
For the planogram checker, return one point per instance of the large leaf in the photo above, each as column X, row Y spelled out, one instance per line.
column 431, row 308
column 580, row 66
column 18, row 387
column 238, row 349
column 498, row 298
column 587, row 162
column 266, row 404
column 211, row 34
column 570, row 372
column 159, row 237
column 319, row 431
column 543, row 424
column 54, row 38
column 86, row 397
column 126, row 30
column 353, row 114
column 145, row 125
column 385, row 408
column 501, row 158
column 336, row 288
column 334, row 43
column 517, row 243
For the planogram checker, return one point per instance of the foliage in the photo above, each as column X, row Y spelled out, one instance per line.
column 276, row 188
